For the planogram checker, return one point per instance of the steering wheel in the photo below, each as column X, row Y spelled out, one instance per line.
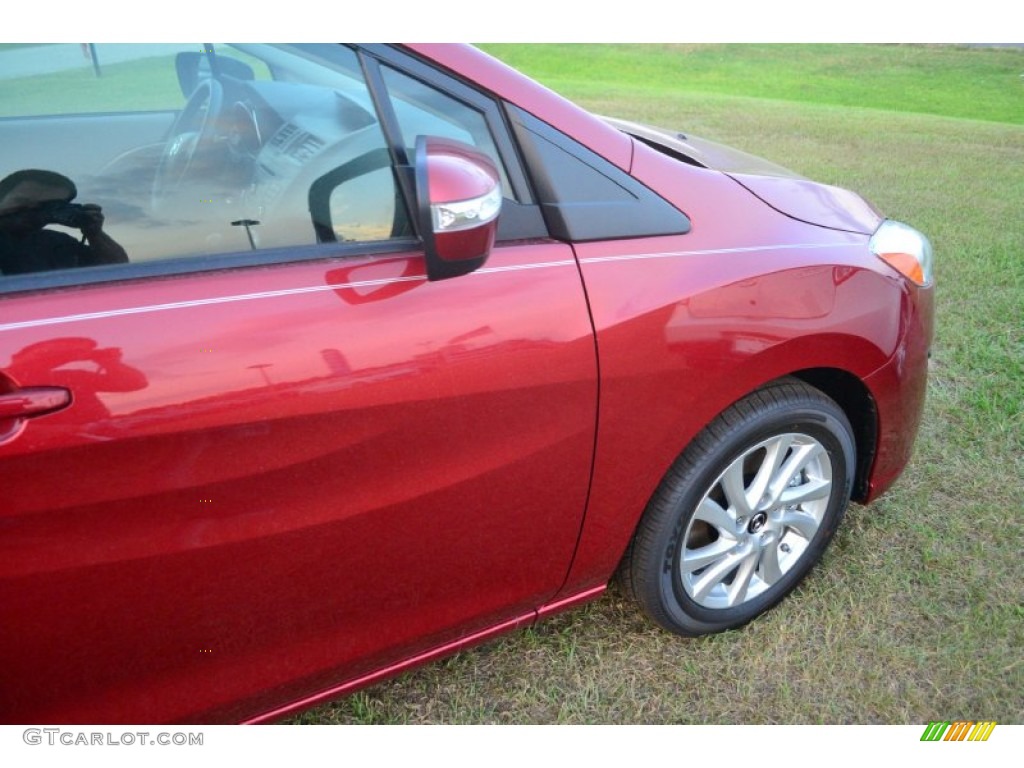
column 191, row 135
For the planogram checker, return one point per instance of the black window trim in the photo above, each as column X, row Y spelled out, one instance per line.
column 489, row 106
column 641, row 212
column 522, row 218
column 188, row 265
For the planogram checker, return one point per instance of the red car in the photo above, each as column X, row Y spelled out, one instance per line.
column 318, row 362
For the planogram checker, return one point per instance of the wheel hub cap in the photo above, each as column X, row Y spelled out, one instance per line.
column 756, row 521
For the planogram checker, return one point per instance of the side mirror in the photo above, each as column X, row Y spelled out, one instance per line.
column 458, row 199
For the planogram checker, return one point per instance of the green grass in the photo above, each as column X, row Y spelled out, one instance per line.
column 981, row 84
column 917, row 611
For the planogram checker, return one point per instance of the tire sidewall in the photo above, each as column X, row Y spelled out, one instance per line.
column 819, row 419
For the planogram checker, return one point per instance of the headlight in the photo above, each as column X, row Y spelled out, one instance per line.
column 905, row 249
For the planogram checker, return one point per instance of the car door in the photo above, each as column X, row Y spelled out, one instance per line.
column 256, row 462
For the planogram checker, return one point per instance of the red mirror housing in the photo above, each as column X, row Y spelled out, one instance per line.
column 458, row 196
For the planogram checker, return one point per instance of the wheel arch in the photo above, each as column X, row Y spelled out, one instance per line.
column 853, row 396
column 842, row 363
column 846, row 389
column 839, row 365
column 650, row 569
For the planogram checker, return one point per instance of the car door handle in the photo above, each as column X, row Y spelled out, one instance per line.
column 33, row 401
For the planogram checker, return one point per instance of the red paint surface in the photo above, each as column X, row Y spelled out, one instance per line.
column 278, row 484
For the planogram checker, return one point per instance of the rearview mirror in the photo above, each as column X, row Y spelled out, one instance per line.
column 458, row 198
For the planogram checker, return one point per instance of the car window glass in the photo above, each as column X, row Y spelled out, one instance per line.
column 139, row 153
column 363, row 208
column 422, row 110
column 73, row 79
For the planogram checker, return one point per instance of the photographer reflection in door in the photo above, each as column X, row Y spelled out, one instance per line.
column 30, row 200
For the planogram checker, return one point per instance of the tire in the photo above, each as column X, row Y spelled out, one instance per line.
column 744, row 513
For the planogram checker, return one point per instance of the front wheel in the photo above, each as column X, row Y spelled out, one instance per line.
column 745, row 512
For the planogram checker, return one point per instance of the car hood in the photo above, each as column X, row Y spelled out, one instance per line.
column 782, row 189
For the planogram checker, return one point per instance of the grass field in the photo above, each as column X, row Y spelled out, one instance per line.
column 928, row 79
column 917, row 612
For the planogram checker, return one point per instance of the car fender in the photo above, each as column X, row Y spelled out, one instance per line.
column 667, row 370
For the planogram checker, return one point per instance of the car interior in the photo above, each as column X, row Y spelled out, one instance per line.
column 233, row 160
